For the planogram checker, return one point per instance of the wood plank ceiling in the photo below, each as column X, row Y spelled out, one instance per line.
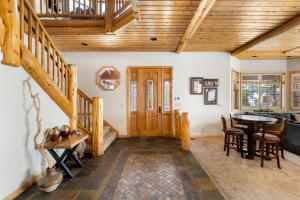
column 229, row 25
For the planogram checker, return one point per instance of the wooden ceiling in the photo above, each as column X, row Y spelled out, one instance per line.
column 229, row 25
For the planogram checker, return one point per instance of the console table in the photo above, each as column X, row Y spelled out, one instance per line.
column 69, row 145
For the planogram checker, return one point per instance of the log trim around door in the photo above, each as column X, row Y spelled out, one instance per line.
column 129, row 68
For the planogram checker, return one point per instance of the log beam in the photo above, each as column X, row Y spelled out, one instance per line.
column 277, row 31
column 97, row 121
column 11, row 46
column 109, row 15
column 200, row 14
column 125, row 20
column 73, row 97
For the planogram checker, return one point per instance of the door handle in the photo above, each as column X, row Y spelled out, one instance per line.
column 159, row 109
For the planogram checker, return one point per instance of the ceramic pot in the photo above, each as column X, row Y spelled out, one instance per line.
column 65, row 131
column 50, row 181
column 53, row 134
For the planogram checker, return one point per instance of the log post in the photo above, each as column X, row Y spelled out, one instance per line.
column 177, row 123
column 97, row 121
column 185, row 132
column 11, row 46
column 109, row 15
column 73, row 96
column 2, row 32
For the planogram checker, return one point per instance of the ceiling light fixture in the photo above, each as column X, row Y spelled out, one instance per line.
column 84, row 44
column 153, row 39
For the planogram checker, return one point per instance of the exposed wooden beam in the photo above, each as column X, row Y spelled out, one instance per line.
column 277, row 31
column 200, row 14
column 292, row 50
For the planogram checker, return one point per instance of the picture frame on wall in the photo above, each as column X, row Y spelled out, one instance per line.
column 210, row 96
column 196, row 85
column 212, row 82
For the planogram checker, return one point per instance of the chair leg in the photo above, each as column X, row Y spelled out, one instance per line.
column 262, row 148
column 225, row 141
column 282, row 151
column 241, row 145
column 227, row 145
column 277, row 156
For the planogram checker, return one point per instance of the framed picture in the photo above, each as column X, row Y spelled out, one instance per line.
column 211, row 83
column 210, row 96
column 108, row 78
column 196, row 85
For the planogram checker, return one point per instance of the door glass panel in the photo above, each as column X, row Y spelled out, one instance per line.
column 133, row 96
column 150, row 96
column 167, row 102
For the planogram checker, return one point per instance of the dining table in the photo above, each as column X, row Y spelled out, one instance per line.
column 254, row 123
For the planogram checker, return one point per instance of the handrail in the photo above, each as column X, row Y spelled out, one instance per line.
column 121, row 6
column 72, row 8
column 40, row 45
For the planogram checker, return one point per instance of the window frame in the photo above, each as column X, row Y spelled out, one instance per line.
column 290, row 100
column 260, row 83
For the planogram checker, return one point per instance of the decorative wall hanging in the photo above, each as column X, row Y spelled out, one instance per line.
column 108, row 78
column 196, row 85
column 52, row 179
column 211, row 83
column 210, row 96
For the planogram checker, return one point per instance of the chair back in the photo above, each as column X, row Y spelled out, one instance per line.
column 275, row 129
column 224, row 124
column 231, row 120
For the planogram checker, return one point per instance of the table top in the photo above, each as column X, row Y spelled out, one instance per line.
column 66, row 143
column 253, row 118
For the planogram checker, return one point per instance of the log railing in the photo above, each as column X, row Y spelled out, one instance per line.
column 121, row 6
column 182, row 129
column 72, row 8
column 90, row 120
column 84, row 112
column 37, row 42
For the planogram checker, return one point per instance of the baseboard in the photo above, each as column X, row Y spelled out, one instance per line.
column 122, row 136
column 207, row 136
column 25, row 186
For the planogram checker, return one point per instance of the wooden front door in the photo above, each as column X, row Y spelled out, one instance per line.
column 150, row 101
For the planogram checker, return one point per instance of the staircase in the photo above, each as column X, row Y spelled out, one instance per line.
column 26, row 43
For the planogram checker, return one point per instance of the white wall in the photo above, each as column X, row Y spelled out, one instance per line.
column 262, row 66
column 204, row 119
column 293, row 64
column 20, row 162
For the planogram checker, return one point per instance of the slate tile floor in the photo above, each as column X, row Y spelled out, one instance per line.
column 137, row 169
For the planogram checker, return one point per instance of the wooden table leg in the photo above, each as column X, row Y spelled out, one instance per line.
column 60, row 161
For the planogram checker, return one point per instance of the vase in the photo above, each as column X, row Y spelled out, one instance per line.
column 50, row 181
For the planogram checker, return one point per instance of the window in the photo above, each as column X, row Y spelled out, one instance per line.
column 150, row 95
column 167, row 100
column 295, row 90
column 133, row 96
column 235, row 88
column 255, row 87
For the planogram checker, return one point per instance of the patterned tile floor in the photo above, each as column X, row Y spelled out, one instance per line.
column 137, row 169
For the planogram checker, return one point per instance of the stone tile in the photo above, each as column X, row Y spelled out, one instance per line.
column 136, row 169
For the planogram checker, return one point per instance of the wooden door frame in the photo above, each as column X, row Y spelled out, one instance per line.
column 128, row 96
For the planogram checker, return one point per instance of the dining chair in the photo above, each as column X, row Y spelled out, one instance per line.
column 237, row 136
column 267, row 139
column 279, row 131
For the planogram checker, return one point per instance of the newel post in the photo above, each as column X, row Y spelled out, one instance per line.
column 73, row 96
column 185, row 132
column 97, row 121
column 177, row 123
column 10, row 22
